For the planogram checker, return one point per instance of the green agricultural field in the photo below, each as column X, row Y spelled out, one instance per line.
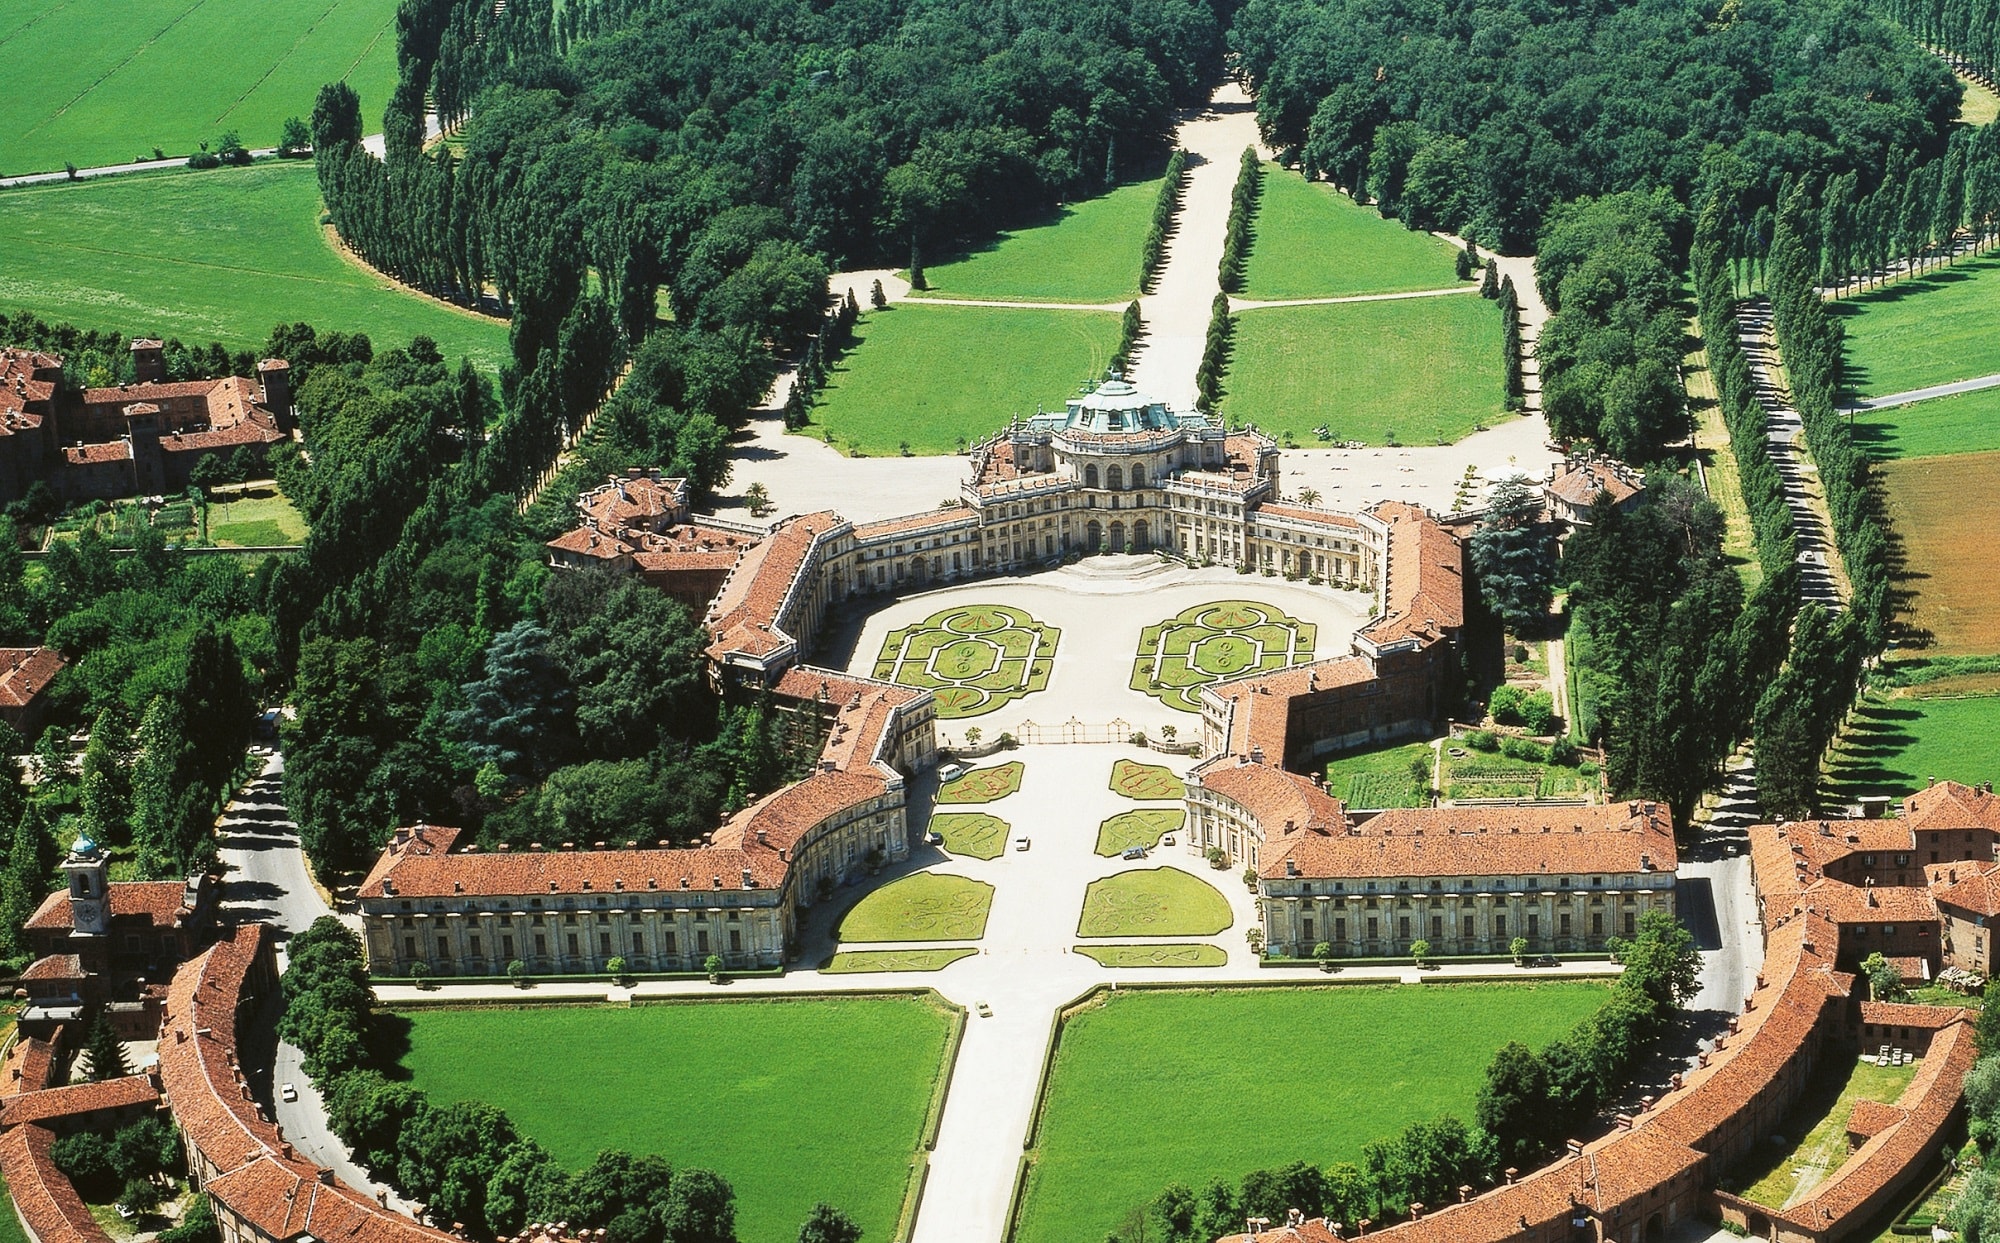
column 1416, row 370
column 925, row 906
column 1930, row 329
column 1145, row 781
column 1210, row 642
column 1088, row 253
column 610, row 1078
column 971, row 833
column 1189, row 954
column 113, row 79
column 1122, row 1117
column 217, row 256
column 1968, row 423
column 1155, row 902
column 1311, row 241
column 1380, row 778
column 850, row 962
column 1144, row 827
column 983, row 785
column 259, row 520
column 939, row 377
column 1895, row 746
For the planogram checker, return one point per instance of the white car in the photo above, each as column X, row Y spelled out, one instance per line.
column 288, row 1093
column 1020, row 843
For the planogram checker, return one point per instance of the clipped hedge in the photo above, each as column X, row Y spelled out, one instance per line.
column 1154, row 251
column 1214, row 354
column 1242, row 206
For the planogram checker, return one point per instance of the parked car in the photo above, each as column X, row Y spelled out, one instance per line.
column 950, row 772
column 288, row 1093
column 1135, row 852
column 933, row 839
column 1020, row 843
column 985, row 1011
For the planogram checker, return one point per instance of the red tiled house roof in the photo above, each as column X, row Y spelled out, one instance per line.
column 199, row 1071
column 48, row 1204
column 161, row 902
column 1461, row 841
column 127, row 1092
column 26, row 672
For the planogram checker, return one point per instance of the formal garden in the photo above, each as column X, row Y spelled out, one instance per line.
column 1209, row 642
column 971, row 833
column 983, row 785
column 1161, row 954
column 1144, row 827
column 872, row 1062
column 860, row 962
column 1146, row 782
column 1153, row 902
column 974, row 658
column 924, row 906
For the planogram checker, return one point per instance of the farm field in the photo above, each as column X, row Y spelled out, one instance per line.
column 1415, row 371
column 871, row 1062
column 1311, row 241
column 924, row 906
column 938, row 377
column 1363, row 1063
column 113, row 79
column 1944, row 511
column 1931, row 329
column 1967, row 423
column 217, row 256
column 1088, row 253
column 1895, row 745
column 1380, row 778
column 1155, row 902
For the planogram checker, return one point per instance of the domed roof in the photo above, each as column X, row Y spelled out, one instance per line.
column 83, row 846
column 1115, row 406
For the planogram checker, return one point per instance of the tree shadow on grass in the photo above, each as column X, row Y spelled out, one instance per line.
column 388, row 1043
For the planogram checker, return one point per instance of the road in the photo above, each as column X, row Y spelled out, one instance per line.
column 373, row 144
column 1924, row 394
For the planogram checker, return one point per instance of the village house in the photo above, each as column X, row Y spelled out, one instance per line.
column 25, row 673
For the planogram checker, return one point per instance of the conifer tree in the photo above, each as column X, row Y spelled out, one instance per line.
column 105, row 1053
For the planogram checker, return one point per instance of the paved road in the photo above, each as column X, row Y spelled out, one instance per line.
column 1925, row 394
column 373, row 144
column 1786, row 430
column 267, row 877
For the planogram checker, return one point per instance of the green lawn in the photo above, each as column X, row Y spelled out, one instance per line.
column 1146, row 781
column 1187, row 954
column 223, row 255
column 1418, row 371
column 1378, row 778
column 1968, row 423
column 1144, row 827
column 1312, row 241
column 983, row 785
column 936, row 376
column 974, row 659
column 1088, row 253
column 258, row 520
column 1127, row 1111
column 1931, row 329
column 848, row 962
column 1894, row 746
column 971, row 833
column 1153, row 902
column 10, row 1222
column 1789, row 1172
column 926, row 906
column 106, row 82
column 745, row 1088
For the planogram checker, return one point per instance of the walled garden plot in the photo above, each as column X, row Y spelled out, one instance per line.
column 1210, row 642
column 974, row 658
column 1146, row 782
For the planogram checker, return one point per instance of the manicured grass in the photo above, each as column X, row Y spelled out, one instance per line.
column 971, row 833
column 1967, row 423
column 936, row 376
column 217, row 256
column 1089, row 252
column 1894, row 746
column 849, row 962
column 1210, row 642
column 10, row 1222
column 1725, row 477
column 1375, row 779
column 1154, row 902
column 1420, row 370
column 1944, row 511
column 974, row 659
column 256, row 521
column 1145, row 781
column 1312, row 241
column 1980, row 106
column 927, row 906
column 106, row 82
column 1124, row 1115
column 983, row 785
column 1191, row 954
column 1144, row 827
column 1930, row 329
column 1792, row 1171
column 792, row 1101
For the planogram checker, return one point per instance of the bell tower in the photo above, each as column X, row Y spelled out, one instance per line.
column 89, row 898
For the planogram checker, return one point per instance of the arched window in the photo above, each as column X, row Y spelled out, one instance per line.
column 1114, row 479
column 1138, row 476
column 1090, row 476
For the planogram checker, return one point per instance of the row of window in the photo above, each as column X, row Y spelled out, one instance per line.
column 1467, row 884
column 1373, row 926
column 574, row 943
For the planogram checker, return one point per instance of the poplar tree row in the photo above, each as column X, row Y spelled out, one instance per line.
column 1154, row 251
column 1970, row 29
column 1919, row 216
column 1242, row 206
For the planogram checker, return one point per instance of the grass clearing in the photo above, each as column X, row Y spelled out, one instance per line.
column 938, row 377
column 1311, row 241
column 1725, row 477
column 1123, row 1116
column 608, row 1077
column 1089, row 252
column 926, row 906
column 112, row 79
column 1967, row 423
column 983, row 785
column 1146, row 781
column 1381, row 778
column 850, row 962
column 217, row 256
column 972, row 833
column 1793, row 1172
column 1944, row 511
column 1190, row 954
column 1925, row 330
column 1414, row 371
column 1144, row 827
column 1980, row 106
column 1895, row 745
column 1154, row 902
column 258, row 520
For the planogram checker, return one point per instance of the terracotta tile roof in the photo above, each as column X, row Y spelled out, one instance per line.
column 787, row 816
column 1552, row 842
column 1260, row 704
column 909, row 524
column 29, row 1065
column 1873, row 1118
column 27, row 381
column 50, row 1206
column 1967, row 886
column 747, row 615
column 1580, row 483
column 1424, row 569
column 1952, row 805
column 422, row 865
column 197, row 1050
column 123, row 395
column 98, row 454
column 1906, row 1014
column 25, row 672
column 56, row 967
column 160, row 902
column 1346, row 524
column 717, row 561
column 285, row 1198
column 79, row 1098
column 634, row 503
column 1278, row 800
column 1311, row 1230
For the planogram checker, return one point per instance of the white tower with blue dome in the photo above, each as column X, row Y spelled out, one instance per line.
column 89, row 894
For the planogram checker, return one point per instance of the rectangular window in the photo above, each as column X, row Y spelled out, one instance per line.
column 638, row 943
column 1499, row 925
column 701, row 940
column 1597, row 923
column 1534, row 924
column 1437, row 927
column 736, row 940
column 472, row 946
column 669, row 942
column 604, row 944
column 572, row 944
column 541, row 944
column 1374, row 932
column 1631, row 924
column 1403, row 926
column 1308, row 930
column 506, row 947
column 1468, row 927
column 409, row 947
column 1562, row 921
column 1340, row 930
column 444, row 947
